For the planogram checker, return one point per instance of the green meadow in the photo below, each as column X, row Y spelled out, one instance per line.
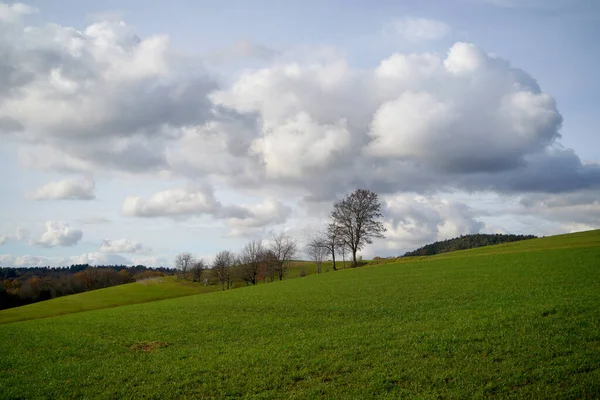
column 520, row 320
column 131, row 293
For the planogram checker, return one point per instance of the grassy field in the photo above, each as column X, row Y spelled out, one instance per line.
column 132, row 293
column 517, row 322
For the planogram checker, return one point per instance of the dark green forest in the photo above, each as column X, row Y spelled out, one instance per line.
column 466, row 242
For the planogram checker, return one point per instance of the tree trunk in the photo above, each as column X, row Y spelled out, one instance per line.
column 333, row 258
column 354, row 264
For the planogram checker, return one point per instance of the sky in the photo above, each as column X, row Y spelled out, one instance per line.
column 131, row 131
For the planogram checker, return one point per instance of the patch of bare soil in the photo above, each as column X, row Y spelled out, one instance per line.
column 148, row 346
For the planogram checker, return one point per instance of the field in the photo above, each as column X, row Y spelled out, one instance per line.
column 510, row 321
column 132, row 293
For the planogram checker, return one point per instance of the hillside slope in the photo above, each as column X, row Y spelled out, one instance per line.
column 512, row 324
column 131, row 293
column 140, row 292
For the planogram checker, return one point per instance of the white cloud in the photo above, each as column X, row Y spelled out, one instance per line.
column 416, row 29
column 99, row 259
column 121, row 246
column 580, row 210
column 67, row 189
column 151, row 261
column 298, row 146
column 414, row 220
column 270, row 212
column 97, row 97
column 59, row 234
column 13, row 12
column 19, row 234
column 194, row 201
column 9, row 260
column 172, row 203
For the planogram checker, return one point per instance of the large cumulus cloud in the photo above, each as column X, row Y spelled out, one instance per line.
column 466, row 120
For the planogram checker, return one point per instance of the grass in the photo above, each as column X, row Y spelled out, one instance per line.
column 132, row 293
column 513, row 323
column 140, row 292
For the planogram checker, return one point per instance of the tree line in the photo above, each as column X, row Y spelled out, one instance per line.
column 257, row 261
column 20, row 286
column 353, row 223
column 466, row 242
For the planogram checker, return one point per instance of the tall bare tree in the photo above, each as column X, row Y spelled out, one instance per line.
column 284, row 249
column 316, row 251
column 251, row 261
column 357, row 218
column 184, row 262
column 222, row 266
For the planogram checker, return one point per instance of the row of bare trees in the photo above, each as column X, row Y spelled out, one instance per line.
column 257, row 260
column 353, row 223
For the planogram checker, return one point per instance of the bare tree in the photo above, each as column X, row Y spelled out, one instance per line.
column 357, row 217
column 197, row 270
column 251, row 261
column 284, row 249
column 183, row 262
column 331, row 239
column 317, row 251
column 222, row 266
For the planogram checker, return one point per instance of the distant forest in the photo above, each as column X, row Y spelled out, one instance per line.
column 20, row 286
column 466, row 242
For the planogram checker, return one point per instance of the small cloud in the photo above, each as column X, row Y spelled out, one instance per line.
column 121, row 246
column 67, row 189
column 59, row 234
column 19, row 234
column 13, row 12
column 99, row 259
column 417, row 29
column 172, row 203
column 94, row 220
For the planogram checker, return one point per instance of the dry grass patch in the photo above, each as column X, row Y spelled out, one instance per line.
column 148, row 346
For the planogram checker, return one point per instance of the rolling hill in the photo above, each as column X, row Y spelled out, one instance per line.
column 515, row 320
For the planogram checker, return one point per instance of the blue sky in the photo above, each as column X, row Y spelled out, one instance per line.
column 131, row 131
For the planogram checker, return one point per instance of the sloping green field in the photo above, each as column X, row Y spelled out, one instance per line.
column 522, row 321
column 132, row 293
column 143, row 291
